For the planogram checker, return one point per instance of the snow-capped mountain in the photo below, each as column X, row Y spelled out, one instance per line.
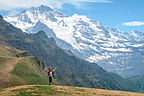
column 114, row 50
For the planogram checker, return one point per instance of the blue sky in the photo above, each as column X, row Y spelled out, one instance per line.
column 126, row 15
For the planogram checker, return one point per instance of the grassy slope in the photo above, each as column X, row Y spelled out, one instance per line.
column 8, row 51
column 44, row 90
column 27, row 69
column 19, row 71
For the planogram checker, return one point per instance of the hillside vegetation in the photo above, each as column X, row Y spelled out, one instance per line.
column 45, row 90
column 19, row 70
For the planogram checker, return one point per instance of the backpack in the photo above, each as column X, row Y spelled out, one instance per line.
column 48, row 73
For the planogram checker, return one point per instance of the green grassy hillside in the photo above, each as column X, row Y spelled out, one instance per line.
column 19, row 71
column 8, row 51
column 27, row 69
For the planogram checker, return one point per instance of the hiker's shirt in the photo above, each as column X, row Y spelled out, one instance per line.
column 50, row 74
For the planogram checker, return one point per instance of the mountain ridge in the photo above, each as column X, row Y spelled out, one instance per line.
column 71, row 70
column 110, row 48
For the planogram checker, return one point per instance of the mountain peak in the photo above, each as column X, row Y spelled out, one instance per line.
column 1, row 17
column 44, row 8
column 40, row 23
column 41, row 33
column 86, row 38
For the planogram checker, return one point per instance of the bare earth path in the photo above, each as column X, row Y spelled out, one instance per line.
column 6, row 67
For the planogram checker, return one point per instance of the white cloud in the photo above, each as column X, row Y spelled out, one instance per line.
column 134, row 23
column 12, row 4
column 82, row 3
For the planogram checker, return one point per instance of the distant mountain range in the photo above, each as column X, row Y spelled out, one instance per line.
column 71, row 70
column 114, row 50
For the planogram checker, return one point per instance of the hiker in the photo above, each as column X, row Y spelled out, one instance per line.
column 50, row 74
